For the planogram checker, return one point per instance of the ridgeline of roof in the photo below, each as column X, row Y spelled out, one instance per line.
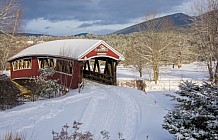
column 68, row 48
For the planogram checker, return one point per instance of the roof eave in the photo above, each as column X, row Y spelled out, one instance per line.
column 41, row 55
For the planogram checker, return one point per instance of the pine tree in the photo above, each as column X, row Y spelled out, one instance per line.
column 196, row 115
column 49, row 87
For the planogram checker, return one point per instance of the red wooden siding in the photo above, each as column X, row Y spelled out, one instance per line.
column 26, row 73
column 70, row 80
column 67, row 80
column 98, row 51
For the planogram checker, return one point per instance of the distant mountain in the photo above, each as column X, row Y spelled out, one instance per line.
column 27, row 34
column 178, row 20
column 81, row 34
column 30, row 34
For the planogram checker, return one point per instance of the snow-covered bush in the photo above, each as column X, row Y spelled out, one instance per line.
column 196, row 115
column 105, row 134
column 9, row 94
column 77, row 135
column 48, row 87
column 13, row 136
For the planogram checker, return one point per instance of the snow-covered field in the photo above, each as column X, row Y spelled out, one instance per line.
column 194, row 71
column 136, row 114
column 169, row 78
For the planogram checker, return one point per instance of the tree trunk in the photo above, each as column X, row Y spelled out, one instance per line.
column 179, row 65
column 210, row 70
column 179, row 62
column 216, row 69
column 140, row 72
column 216, row 74
column 156, row 73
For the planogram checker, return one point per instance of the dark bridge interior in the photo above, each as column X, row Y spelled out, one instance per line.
column 101, row 69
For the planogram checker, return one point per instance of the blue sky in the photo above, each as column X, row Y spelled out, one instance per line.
column 69, row 17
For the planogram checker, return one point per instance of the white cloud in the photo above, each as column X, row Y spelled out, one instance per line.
column 69, row 27
column 41, row 25
column 96, row 25
column 185, row 7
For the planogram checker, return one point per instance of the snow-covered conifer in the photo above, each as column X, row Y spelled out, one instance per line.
column 49, row 87
column 196, row 115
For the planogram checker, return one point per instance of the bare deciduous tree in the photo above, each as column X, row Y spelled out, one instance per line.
column 132, row 57
column 206, row 33
column 155, row 42
column 10, row 17
column 182, row 50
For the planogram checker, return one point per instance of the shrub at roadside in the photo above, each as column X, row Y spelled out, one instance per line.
column 196, row 115
column 13, row 136
column 9, row 94
column 78, row 135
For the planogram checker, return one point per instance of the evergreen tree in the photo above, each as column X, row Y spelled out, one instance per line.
column 49, row 87
column 196, row 115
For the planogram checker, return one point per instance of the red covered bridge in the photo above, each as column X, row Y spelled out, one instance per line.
column 72, row 59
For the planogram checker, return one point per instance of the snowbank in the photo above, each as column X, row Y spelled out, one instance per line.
column 99, row 107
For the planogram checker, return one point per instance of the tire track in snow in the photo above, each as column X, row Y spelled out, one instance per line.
column 119, row 108
column 104, row 107
column 99, row 106
column 90, row 110
column 113, row 110
column 132, row 115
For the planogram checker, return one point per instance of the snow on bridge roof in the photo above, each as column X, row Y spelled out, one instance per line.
column 79, row 49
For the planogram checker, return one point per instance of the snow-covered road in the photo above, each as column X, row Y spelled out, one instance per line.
column 138, row 116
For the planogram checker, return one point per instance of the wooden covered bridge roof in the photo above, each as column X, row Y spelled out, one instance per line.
column 78, row 49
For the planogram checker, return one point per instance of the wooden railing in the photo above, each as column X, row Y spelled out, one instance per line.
column 100, row 77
